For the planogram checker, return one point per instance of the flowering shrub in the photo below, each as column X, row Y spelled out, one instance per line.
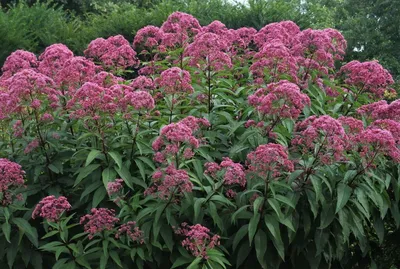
column 197, row 147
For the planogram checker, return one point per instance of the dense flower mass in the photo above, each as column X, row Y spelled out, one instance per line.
column 18, row 61
column 11, row 178
column 175, row 81
column 256, row 134
column 113, row 52
column 100, row 219
column 233, row 172
column 281, row 100
column 367, row 76
column 179, row 29
column 53, row 59
column 274, row 60
column 74, row 73
column 170, row 183
column 51, row 208
column 198, row 239
column 374, row 141
column 323, row 135
column 91, row 100
column 209, row 51
column 270, row 160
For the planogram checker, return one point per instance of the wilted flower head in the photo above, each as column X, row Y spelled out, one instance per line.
column 51, row 208
column 12, row 178
column 99, row 220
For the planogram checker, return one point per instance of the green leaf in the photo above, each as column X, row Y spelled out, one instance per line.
column 275, row 206
column 98, row 196
column 241, row 233
column 195, row 263
column 260, row 243
column 115, row 257
column 108, row 175
column 6, row 227
column 273, row 226
column 92, row 155
column 30, row 232
column 317, row 187
column 181, row 261
column 253, row 225
column 84, row 172
column 344, row 193
column 242, row 254
column 116, row 157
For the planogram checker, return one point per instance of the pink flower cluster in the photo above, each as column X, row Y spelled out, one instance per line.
column 273, row 61
column 198, row 239
column 179, row 29
column 170, row 183
column 375, row 141
column 351, row 126
column 53, row 59
column 115, row 187
column 269, row 160
column 284, row 32
column 142, row 83
column 325, row 135
column 113, row 52
column 233, row 172
column 106, row 79
column 11, row 179
column 148, row 38
column 30, row 89
column 18, row 61
column 175, row 81
column 74, row 73
column 177, row 136
column 368, row 77
column 209, row 51
column 51, row 208
column 99, row 220
column 282, row 99
column 132, row 231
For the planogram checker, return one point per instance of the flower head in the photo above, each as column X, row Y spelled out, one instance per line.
column 99, row 220
column 198, row 239
column 12, row 178
column 51, row 208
